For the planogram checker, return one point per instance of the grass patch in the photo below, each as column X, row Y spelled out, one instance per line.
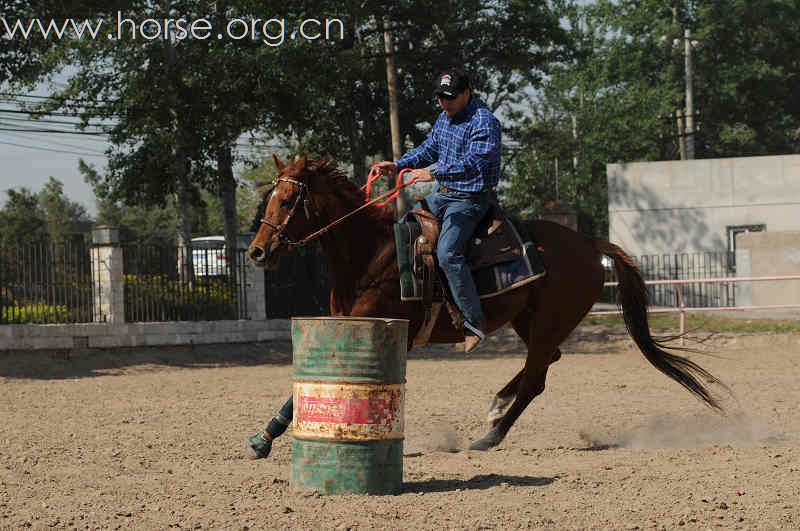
column 696, row 322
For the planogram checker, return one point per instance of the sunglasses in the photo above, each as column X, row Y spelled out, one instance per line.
column 446, row 97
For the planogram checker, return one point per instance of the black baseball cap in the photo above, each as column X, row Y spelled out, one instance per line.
column 451, row 82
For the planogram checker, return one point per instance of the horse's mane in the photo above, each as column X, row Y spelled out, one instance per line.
column 328, row 168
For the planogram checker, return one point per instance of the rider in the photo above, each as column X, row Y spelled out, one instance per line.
column 465, row 145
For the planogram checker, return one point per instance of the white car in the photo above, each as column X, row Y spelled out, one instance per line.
column 208, row 255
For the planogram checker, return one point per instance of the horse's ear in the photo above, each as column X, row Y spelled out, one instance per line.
column 278, row 164
column 303, row 163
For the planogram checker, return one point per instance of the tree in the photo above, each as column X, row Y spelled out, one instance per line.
column 45, row 217
column 20, row 221
column 615, row 101
column 142, row 224
column 62, row 216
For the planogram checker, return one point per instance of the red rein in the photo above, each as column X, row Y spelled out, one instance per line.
column 375, row 173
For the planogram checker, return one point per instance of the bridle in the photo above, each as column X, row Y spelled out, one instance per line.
column 389, row 195
column 280, row 229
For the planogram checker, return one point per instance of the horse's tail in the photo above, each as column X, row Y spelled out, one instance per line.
column 633, row 300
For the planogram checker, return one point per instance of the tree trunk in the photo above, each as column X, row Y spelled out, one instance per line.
column 185, row 233
column 181, row 162
column 227, row 191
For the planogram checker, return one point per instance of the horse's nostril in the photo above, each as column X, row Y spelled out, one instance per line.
column 256, row 253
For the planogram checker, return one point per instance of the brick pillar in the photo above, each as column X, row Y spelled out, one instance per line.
column 108, row 286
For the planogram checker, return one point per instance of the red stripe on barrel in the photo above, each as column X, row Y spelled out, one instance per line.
column 346, row 410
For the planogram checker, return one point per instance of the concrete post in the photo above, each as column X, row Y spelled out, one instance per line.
column 744, row 268
column 254, row 283
column 108, row 287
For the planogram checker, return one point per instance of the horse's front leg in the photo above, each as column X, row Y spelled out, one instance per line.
column 260, row 445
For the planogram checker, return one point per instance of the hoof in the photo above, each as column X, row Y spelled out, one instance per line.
column 498, row 409
column 491, row 439
column 258, row 446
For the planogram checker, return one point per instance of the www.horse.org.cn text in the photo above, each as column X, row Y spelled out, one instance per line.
column 271, row 31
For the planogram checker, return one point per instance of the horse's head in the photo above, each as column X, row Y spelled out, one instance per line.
column 291, row 213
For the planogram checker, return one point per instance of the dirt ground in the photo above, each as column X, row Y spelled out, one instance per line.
column 152, row 439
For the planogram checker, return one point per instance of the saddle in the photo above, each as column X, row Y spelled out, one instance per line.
column 496, row 254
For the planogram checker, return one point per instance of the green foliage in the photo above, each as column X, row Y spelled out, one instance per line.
column 625, row 83
column 150, row 225
column 205, row 299
column 48, row 216
column 34, row 313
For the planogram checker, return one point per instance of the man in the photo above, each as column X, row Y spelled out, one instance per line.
column 465, row 145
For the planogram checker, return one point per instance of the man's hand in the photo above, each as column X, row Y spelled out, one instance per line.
column 387, row 167
column 423, row 175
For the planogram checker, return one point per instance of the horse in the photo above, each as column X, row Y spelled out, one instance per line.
column 313, row 199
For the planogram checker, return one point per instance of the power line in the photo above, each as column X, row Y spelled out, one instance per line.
column 51, row 131
column 46, row 121
column 55, row 142
column 53, row 98
column 51, row 150
column 47, row 113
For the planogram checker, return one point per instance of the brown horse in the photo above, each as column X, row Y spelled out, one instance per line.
column 310, row 195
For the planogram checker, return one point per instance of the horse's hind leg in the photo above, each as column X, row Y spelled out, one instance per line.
column 506, row 395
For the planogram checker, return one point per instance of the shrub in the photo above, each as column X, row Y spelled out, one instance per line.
column 35, row 313
column 158, row 298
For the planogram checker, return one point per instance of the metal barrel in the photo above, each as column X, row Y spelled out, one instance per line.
column 349, row 389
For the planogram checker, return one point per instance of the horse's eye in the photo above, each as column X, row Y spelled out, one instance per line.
column 285, row 203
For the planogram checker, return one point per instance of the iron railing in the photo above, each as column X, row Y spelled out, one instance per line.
column 48, row 283
column 300, row 286
column 683, row 266
column 162, row 283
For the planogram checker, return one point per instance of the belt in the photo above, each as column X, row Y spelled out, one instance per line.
column 446, row 190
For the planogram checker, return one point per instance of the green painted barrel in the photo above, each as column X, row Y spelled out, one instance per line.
column 349, row 389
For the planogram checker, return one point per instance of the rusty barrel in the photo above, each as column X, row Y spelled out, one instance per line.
column 349, row 388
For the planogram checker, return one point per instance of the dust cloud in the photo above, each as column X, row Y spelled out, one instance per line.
column 672, row 431
column 444, row 438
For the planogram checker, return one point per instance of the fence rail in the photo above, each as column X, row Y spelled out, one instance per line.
column 48, row 284
column 170, row 284
column 683, row 309
column 685, row 267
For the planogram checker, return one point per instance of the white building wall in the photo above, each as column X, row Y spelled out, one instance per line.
column 686, row 206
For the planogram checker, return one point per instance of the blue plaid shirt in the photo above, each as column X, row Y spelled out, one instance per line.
column 466, row 149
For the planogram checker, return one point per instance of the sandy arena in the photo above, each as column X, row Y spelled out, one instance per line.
column 153, row 440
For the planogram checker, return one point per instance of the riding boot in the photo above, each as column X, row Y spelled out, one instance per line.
column 473, row 336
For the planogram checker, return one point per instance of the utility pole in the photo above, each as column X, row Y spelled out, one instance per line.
column 394, row 112
column 575, row 138
column 687, row 37
column 681, row 135
column 556, row 165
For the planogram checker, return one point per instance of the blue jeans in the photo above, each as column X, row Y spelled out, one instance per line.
column 459, row 214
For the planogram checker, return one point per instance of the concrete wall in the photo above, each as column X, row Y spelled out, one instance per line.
column 763, row 254
column 110, row 335
column 685, row 206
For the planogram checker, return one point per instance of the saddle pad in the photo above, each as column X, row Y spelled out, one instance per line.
column 490, row 281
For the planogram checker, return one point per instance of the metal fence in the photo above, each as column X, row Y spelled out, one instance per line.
column 682, row 267
column 48, row 284
column 300, row 286
column 165, row 283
